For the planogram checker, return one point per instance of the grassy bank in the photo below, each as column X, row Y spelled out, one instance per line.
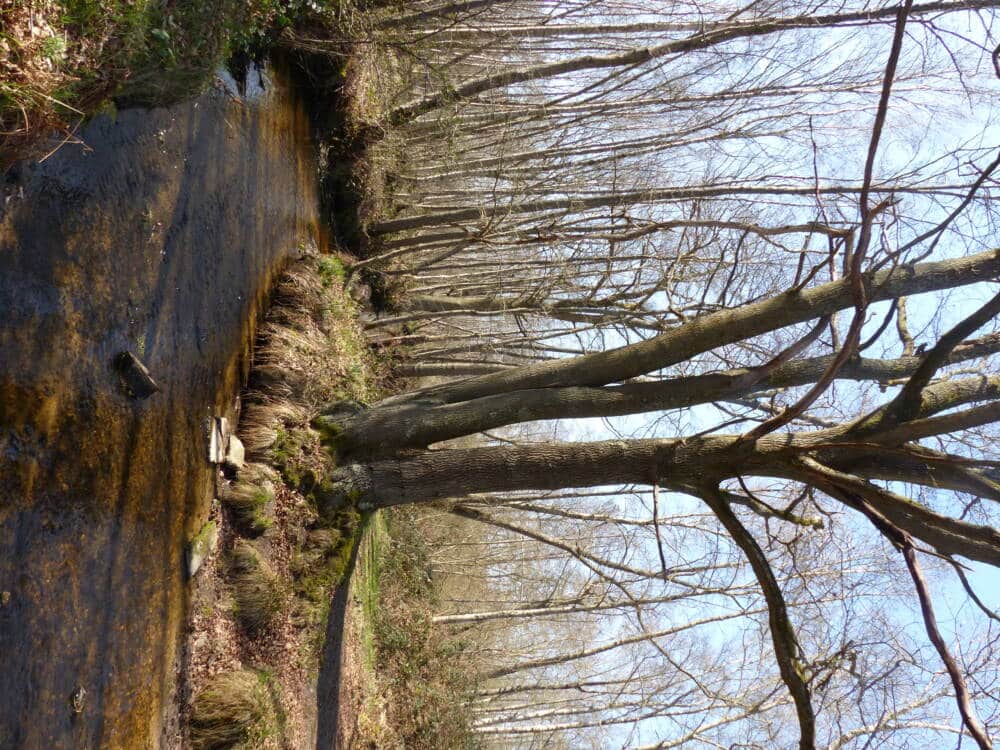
column 260, row 605
column 63, row 60
column 415, row 689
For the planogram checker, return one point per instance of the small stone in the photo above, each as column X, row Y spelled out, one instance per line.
column 218, row 439
column 135, row 376
column 235, row 454
column 201, row 547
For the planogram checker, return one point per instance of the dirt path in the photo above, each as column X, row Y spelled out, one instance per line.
column 334, row 694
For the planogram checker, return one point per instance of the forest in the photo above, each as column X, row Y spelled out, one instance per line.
column 689, row 310
column 707, row 293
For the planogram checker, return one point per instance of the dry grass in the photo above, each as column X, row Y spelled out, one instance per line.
column 250, row 499
column 310, row 352
column 235, row 709
column 258, row 592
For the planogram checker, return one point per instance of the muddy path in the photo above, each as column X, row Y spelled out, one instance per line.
column 159, row 237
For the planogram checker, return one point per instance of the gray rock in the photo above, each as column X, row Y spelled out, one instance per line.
column 201, row 547
column 235, row 454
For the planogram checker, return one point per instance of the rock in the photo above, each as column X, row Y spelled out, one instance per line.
column 235, row 454
column 135, row 375
column 201, row 547
column 218, row 439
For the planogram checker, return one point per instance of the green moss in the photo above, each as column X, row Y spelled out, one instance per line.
column 236, row 709
column 284, row 452
column 204, row 536
column 320, row 566
column 331, row 270
column 201, row 546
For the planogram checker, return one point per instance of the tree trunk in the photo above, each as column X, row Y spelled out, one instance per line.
column 574, row 387
column 702, row 40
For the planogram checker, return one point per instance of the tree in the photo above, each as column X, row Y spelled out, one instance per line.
column 742, row 330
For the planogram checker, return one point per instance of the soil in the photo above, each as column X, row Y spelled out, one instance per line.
column 214, row 643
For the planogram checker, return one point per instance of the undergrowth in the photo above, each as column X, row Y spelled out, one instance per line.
column 421, row 681
column 62, row 60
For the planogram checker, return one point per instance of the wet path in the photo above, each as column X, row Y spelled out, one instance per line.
column 159, row 239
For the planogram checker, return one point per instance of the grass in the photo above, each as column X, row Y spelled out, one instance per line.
column 369, row 573
column 420, row 689
column 236, row 709
column 260, row 595
column 250, row 499
column 311, row 352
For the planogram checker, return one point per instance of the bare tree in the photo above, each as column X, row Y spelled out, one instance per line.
column 714, row 235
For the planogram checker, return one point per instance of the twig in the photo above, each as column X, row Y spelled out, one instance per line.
column 656, row 530
column 787, row 650
column 930, row 623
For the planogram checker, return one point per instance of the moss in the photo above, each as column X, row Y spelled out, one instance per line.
column 319, row 566
column 201, row 546
column 322, row 563
column 259, row 594
column 204, row 537
column 236, row 709
column 284, row 455
column 331, row 270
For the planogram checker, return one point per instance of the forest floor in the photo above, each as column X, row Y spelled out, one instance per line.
column 330, row 614
column 264, row 602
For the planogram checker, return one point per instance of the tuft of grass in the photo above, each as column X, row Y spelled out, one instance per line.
column 251, row 499
column 259, row 594
column 236, row 709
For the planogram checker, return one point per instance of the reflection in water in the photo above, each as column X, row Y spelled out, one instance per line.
column 159, row 238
